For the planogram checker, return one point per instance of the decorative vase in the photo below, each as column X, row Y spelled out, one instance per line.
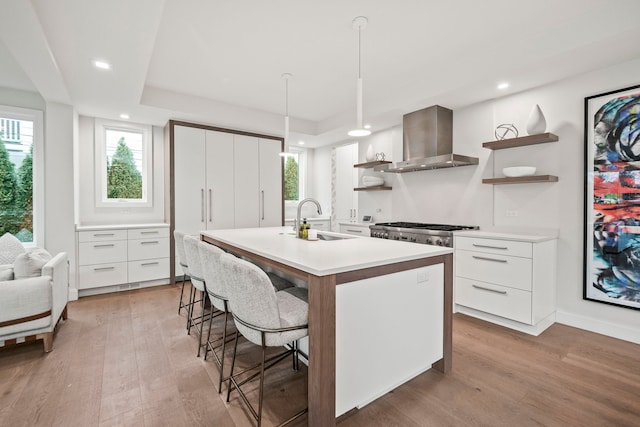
column 371, row 156
column 536, row 123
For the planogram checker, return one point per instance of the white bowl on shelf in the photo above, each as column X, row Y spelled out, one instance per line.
column 372, row 181
column 516, row 171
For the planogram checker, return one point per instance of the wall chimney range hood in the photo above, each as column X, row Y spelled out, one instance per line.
column 427, row 142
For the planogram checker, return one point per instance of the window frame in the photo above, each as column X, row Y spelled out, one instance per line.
column 302, row 174
column 37, row 117
column 100, row 166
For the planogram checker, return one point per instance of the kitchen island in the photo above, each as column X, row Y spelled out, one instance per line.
column 379, row 310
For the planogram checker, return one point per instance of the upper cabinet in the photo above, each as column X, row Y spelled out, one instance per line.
column 521, row 142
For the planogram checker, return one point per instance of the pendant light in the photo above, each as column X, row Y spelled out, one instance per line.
column 286, row 77
column 359, row 23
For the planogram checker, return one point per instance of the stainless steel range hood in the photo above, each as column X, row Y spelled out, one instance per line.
column 427, row 142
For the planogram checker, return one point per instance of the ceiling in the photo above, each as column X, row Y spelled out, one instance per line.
column 220, row 62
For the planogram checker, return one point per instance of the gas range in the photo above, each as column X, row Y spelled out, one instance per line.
column 429, row 234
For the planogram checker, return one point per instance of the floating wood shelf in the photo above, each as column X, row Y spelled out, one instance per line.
column 371, row 164
column 521, row 141
column 521, row 179
column 374, row 188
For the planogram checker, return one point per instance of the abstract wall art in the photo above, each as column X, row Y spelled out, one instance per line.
column 612, row 198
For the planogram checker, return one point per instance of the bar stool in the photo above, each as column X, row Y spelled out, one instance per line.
column 264, row 317
column 191, row 248
column 182, row 259
column 214, row 279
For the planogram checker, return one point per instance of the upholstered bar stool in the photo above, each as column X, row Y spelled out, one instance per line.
column 182, row 259
column 192, row 251
column 215, row 286
column 264, row 317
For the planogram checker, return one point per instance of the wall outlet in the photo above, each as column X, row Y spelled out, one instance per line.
column 423, row 276
column 378, row 210
column 511, row 213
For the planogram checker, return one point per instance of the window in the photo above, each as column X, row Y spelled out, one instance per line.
column 123, row 164
column 21, row 188
column 294, row 166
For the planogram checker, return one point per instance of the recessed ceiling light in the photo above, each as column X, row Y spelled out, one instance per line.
column 367, row 126
column 124, row 116
column 503, row 86
column 300, row 142
column 102, row 65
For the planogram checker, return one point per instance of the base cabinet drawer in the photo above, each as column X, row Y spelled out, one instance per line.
column 355, row 229
column 150, row 248
column 514, row 272
column 514, row 304
column 149, row 269
column 91, row 253
column 94, row 276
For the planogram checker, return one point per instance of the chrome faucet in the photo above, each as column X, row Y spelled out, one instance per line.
column 297, row 223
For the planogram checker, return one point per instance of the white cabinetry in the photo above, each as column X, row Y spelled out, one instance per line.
column 355, row 228
column 323, row 224
column 506, row 279
column 225, row 180
column 113, row 258
column 346, row 207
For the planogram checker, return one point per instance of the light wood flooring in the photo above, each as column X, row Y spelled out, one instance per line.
column 125, row 359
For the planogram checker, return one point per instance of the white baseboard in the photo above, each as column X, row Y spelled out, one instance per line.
column 614, row 330
column 122, row 287
column 535, row 330
column 73, row 294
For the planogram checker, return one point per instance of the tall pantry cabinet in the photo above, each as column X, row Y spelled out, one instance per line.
column 222, row 179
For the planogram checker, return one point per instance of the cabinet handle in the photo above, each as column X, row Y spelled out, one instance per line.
column 149, row 232
column 103, row 234
column 490, row 247
column 262, row 194
column 489, row 259
column 144, row 264
column 104, row 246
column 354, row 231
column 490, row 290
column 210, row 202
column 202, row 205
column 103, row 268
column 151, row 242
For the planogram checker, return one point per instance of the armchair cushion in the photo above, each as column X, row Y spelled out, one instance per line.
column 10, row 248
column 30, row 264
column 6, row 272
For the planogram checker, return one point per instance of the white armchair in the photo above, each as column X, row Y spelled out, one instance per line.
column 30, row 308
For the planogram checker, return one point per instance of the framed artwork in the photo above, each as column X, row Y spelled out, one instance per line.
column 612, row 198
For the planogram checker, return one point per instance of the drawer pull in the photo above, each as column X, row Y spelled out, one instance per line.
column 354, row 231
column 110, row 245
column 489, row 259
column 490, row 247
column 490, row 290
column 149, row 232
column 151, row 242
column 103, row 234
column 103, row 268
column 144, row 264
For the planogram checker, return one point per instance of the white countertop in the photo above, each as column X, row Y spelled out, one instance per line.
column 312, row 219
column 517, row 236
column 119, row 226
column 322, row 257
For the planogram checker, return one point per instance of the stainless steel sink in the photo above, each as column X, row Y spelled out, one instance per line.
column 322, row 236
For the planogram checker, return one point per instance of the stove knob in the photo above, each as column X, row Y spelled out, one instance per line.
column 413, row 239
column 439, row 242
column 386, row 235
column 429, row 242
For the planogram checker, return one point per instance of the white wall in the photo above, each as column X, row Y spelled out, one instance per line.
column 88, row 213
column 60, row 121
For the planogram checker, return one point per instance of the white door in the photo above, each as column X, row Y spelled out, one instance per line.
column 189, row 175
column 246, row 181
column 270, row 183
column 346, row 180
column 220, row 177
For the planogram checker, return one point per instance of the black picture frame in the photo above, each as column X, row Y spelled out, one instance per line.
column 612, row 198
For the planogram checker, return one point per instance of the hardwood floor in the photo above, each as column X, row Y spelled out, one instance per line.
column 125, row 359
